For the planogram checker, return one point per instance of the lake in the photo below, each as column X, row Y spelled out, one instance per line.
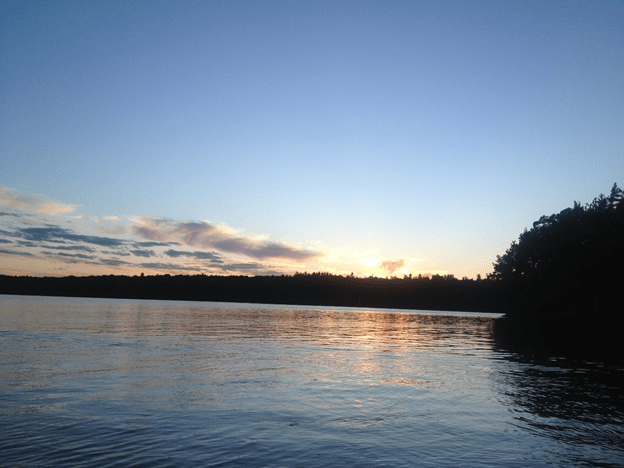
column 101, row 382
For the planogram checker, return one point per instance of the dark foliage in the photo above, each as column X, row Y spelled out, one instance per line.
column 563, row 281
column 434, row 293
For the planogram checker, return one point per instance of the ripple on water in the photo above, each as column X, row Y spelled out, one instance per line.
column 144, row 383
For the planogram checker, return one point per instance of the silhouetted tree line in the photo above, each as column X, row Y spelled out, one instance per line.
column 562, row 282
column 422, row 292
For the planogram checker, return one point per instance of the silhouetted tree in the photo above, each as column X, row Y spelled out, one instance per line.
column 565, row 274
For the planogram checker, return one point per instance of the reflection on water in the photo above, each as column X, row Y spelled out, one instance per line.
column 580, row 404
column 109, row 382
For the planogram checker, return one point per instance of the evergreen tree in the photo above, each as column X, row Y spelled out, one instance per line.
column 565, row 275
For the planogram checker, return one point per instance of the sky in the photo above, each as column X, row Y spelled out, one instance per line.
column 382, row 138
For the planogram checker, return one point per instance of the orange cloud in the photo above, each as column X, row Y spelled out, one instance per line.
column 392, row 266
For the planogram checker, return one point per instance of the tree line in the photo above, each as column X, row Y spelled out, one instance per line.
column 435, row 292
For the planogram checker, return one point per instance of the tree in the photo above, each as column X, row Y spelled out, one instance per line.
column 566, row 272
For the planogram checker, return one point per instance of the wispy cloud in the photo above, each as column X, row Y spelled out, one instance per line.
column 20, row 201
column 146, row 245
column 242, row 266
column 169, row 267
column 210, row 236
column 114, row 262
column 16, row 252
column 212, row 256
column 59, row 234
column 68, row 255
column 143, row 253
column 83, row 248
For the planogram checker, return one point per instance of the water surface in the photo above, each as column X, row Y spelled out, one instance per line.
column 97, row 382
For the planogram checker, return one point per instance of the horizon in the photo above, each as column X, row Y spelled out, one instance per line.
column 241, row 138
column 277, row 275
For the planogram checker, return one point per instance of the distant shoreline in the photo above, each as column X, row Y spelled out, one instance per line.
column 315, row 289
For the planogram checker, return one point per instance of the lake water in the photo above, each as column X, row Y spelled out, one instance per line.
column 97, row 382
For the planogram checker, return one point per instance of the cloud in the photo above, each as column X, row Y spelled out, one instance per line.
column 143, row 253
column 59, row 234
column 118, row 254
column 168, row 266
column 241, row 266
column 212, row 256
column 12, row 252
column 113, row 262
column 153, row 244
column 20, row 201
column 392, row 266
column 210, row 236
column 30, row 244
column 189, row 246
column 251, row 267
column 63, row 254
column 83, row 248
column 8, row 233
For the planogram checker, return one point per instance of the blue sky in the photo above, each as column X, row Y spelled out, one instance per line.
column 246, row 137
